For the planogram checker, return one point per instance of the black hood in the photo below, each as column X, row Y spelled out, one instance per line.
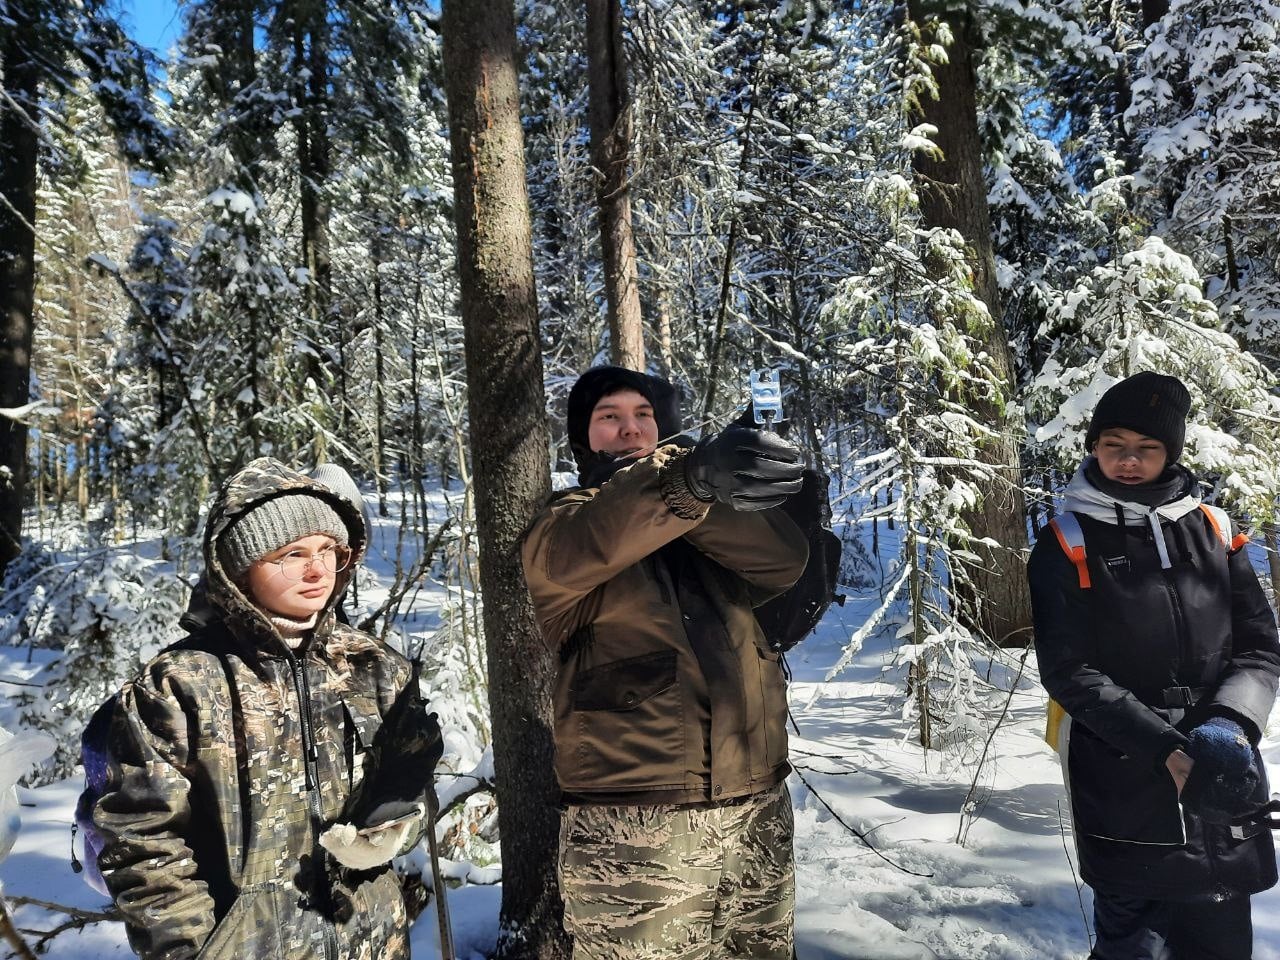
column 600, row 382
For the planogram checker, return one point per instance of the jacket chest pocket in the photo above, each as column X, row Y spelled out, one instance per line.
column 361, row 724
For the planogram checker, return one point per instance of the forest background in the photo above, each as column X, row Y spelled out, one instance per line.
column 390, row 235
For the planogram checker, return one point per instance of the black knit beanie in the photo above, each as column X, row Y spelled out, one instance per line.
column 1149, row 403
column 600, row 382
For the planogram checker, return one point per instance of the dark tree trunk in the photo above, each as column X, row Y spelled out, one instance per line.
column 1153, row 11
column 953, row 194
column 1122, row 80
column 610, row 115
column 311, row 49
column 17, row 267
column 509, row 442
column 379, row 381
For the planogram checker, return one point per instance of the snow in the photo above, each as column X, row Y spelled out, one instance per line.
column 235, row 201
column 1007, row 892
column 18, row 754
column 104, row 262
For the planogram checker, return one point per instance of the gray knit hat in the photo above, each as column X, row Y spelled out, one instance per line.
column 276, row 522
column 342, row 483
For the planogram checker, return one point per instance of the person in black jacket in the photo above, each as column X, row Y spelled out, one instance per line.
column 1158, row 643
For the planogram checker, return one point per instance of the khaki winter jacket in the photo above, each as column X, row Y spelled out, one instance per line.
column 230, row 754
column 667, row 692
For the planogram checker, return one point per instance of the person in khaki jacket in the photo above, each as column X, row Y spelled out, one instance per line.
column 670, row 709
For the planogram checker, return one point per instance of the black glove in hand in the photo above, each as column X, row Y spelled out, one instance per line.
column 1222, row 781
column 399, row 767
column 747, row 469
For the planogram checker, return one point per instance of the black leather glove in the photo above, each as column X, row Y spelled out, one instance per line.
column 399, row 767
column 1221, row 783
column 746, row 468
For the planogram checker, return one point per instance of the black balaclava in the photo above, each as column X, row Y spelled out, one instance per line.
column 600, row 382
column 1151, row 404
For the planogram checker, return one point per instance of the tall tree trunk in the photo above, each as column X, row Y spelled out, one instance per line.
column 379, row 381
column 610, row 116
column 311, row 47
column 953, row 194
column 17, row 266
column 509, row 441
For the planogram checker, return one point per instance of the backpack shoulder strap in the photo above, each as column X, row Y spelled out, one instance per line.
column 1066, row 527
column 1221, row 525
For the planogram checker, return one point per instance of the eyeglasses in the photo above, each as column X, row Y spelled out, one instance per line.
column 295, row 567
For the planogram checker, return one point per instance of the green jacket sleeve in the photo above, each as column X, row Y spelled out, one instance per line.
column 144, row 816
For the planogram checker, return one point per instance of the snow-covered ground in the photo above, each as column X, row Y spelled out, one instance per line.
column 1007, row 893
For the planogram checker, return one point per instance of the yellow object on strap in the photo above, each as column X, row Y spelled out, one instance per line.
column 1053, row 723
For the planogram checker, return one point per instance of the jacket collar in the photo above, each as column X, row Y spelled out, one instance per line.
column 1083, row 497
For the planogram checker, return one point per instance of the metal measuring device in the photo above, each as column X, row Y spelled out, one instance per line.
column 766, row 396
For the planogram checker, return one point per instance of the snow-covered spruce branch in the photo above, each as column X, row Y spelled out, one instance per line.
column 869, row 626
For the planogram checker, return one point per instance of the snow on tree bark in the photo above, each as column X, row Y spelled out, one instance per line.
column 17, row 269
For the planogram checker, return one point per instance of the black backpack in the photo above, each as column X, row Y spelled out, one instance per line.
column 790, row 617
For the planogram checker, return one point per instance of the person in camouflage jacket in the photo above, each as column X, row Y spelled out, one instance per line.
column 237, row 751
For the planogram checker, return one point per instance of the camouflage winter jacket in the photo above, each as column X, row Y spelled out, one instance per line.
column 667, row 690
column 230, row 753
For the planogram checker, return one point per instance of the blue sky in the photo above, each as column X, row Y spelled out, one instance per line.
column 153, row 23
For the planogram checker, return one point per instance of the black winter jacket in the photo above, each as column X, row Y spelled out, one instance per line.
column 1109, row 653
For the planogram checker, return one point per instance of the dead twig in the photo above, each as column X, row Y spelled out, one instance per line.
column 969, row 810
column 1074, row 879
column 11, row 935
column 401, row 588
column 78, row 920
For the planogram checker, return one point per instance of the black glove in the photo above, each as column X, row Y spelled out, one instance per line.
column 1225, row 774
column 746, row 468
column 399, row 768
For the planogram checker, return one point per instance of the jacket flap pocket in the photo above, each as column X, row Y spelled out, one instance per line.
column 625, row 684
column 363, row 719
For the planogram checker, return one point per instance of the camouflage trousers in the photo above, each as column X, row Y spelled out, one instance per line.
column 680, row 883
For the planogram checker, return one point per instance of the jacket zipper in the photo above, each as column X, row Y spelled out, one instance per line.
column 1180, row 621
column 309, row 757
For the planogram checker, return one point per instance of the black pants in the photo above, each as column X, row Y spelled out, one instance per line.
column 1132, row 929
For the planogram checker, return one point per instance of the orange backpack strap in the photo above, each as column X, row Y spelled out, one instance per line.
column 1221, row 525
column 1066, row 528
